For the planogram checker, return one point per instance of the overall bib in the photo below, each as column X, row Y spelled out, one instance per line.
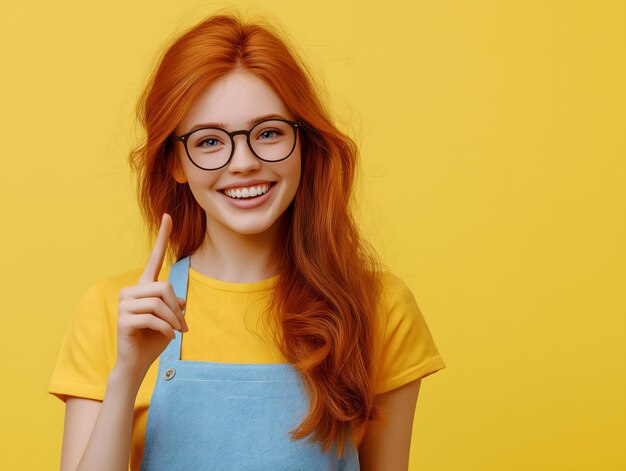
column 229, row 416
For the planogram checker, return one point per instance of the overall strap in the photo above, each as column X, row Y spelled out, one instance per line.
column 178, row 277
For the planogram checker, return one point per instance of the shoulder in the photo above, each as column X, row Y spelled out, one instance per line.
column 394, row 291
column 88, row 350
column 406, row 347
column 399, row 315
column 392, row 283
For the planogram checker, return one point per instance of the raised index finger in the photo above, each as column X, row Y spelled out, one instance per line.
column 153, row 266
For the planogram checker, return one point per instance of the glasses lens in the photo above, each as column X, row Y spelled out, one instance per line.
column 272, row 140
column 209, row 148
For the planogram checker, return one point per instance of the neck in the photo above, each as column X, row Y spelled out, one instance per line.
column 239, row 258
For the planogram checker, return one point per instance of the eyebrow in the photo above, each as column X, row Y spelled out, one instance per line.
column 223, row 126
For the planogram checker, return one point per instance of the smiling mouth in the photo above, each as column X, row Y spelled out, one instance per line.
column 249, row 197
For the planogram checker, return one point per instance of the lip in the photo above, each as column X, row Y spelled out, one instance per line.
column 249, row 203
column 241, row 184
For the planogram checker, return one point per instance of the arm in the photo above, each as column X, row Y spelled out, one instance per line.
column 387, row 446
column 97, row 433
column 80, row 417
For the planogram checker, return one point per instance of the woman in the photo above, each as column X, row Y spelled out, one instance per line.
column 299, row 351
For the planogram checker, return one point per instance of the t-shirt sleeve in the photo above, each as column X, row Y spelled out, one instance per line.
column 408, row 349
column 87, row 351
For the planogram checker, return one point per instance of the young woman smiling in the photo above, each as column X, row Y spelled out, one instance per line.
column 280, row 342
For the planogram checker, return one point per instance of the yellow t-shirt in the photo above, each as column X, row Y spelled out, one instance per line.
column 222, row 318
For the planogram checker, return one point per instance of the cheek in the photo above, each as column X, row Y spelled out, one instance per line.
column 201, row 183
column 197, row 178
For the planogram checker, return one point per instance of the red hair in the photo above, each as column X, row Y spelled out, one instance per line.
column 323, row 308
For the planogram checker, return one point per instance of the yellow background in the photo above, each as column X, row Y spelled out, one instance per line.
column 493, row 182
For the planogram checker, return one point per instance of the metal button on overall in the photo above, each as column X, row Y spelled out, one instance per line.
column 169, row 374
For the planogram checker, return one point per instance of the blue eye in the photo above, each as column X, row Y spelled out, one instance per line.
column 200, row 144
column 268, row 134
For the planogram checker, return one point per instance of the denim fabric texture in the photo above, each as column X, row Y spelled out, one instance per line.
column 229, row 416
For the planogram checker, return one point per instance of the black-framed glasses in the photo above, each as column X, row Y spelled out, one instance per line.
column 210, row 148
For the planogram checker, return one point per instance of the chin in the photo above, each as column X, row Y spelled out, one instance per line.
column 249, row 229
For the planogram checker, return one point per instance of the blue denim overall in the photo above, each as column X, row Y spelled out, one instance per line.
column 229, row 416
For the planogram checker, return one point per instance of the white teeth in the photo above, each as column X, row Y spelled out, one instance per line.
column 247, row 192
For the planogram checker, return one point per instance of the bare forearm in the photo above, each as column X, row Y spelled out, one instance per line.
column 109, row 445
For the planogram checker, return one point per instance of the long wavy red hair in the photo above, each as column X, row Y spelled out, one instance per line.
column 323, row 308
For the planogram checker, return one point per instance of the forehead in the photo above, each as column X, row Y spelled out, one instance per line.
column 233, row 100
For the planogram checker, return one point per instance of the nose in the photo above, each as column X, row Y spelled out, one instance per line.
column 243, row 160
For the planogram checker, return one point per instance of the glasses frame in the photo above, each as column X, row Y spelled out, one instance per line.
column 184, row 138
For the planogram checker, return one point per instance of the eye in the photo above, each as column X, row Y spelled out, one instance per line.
column 268, row 134
column 211, row 141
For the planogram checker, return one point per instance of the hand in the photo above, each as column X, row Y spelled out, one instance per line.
column 148, row 313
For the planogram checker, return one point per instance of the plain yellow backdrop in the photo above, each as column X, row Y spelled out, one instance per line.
column 493, row 181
